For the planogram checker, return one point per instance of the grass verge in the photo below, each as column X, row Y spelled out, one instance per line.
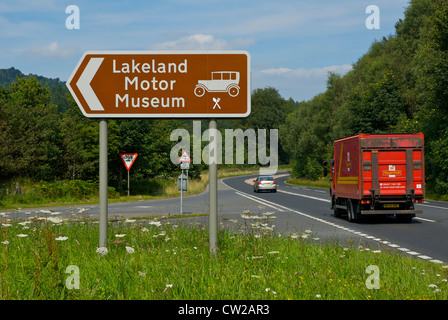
column 50, row 258
column 320, row 183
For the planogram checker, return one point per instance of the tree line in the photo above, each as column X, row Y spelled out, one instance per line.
column 399, row 85
column 41, row 142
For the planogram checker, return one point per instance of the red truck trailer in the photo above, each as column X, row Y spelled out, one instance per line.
column 377, row 174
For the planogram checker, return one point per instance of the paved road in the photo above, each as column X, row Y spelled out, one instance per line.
column 297, row 209
column 426, row 237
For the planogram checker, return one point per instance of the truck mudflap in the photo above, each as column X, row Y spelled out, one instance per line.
column 391, row 211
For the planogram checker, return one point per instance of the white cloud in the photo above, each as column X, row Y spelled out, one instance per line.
column 308, row 73
column 202, row 42
column 53, row 50
column 299, row 84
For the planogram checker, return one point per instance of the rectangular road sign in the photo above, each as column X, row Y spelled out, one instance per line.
column 154, row 84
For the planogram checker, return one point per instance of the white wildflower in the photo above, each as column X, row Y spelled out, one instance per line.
column 129, row 220
column 155, row 223
column 6, row 225
column 169, row 285
column 102, row 251
column 5, row 242
column 130, row 250
column 267, row 289
column 61, row 238
column 55, row 220
column 432, row 286
column 21, row 235
column 120, row 235
column 141, row 274
column 308, row 231
column 318, row 296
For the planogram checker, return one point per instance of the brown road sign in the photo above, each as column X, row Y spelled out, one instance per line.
column 147, row 84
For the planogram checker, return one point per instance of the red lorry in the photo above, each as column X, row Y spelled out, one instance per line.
column 378, row 174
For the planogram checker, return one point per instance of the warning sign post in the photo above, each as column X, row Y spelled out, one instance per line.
column 128, row 160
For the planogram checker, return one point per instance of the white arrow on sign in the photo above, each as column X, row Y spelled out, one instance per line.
column 83, row 84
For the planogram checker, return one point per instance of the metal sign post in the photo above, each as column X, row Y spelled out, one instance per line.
column 128, row 160
column 103, row 183
column 184, row 165
column 181, row 189
column 213, row 191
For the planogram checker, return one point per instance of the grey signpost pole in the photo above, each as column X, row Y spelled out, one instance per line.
column 103, row 182
column 181, row 189
column 129, row 189
column 213, row 191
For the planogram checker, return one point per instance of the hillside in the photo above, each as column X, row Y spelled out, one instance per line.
column 58, row 89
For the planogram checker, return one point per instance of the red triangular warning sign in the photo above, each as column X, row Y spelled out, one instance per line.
column 128, row 159
column 185, row 157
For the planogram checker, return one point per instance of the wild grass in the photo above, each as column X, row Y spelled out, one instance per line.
column 49, row 257
column 320, row 183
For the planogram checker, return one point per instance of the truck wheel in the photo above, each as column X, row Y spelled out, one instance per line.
column 352, row 211
column 337, row 212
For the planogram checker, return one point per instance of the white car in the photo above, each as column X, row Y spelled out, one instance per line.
column 222, row 81
column 267, row 183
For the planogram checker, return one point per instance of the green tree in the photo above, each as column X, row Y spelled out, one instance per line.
column 30, row 139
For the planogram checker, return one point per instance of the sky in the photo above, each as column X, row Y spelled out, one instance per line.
column 293, row 44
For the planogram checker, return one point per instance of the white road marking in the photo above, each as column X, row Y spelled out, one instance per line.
column 424, row 219
column 427, row 205
column 264, row 202
column 302, row 195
